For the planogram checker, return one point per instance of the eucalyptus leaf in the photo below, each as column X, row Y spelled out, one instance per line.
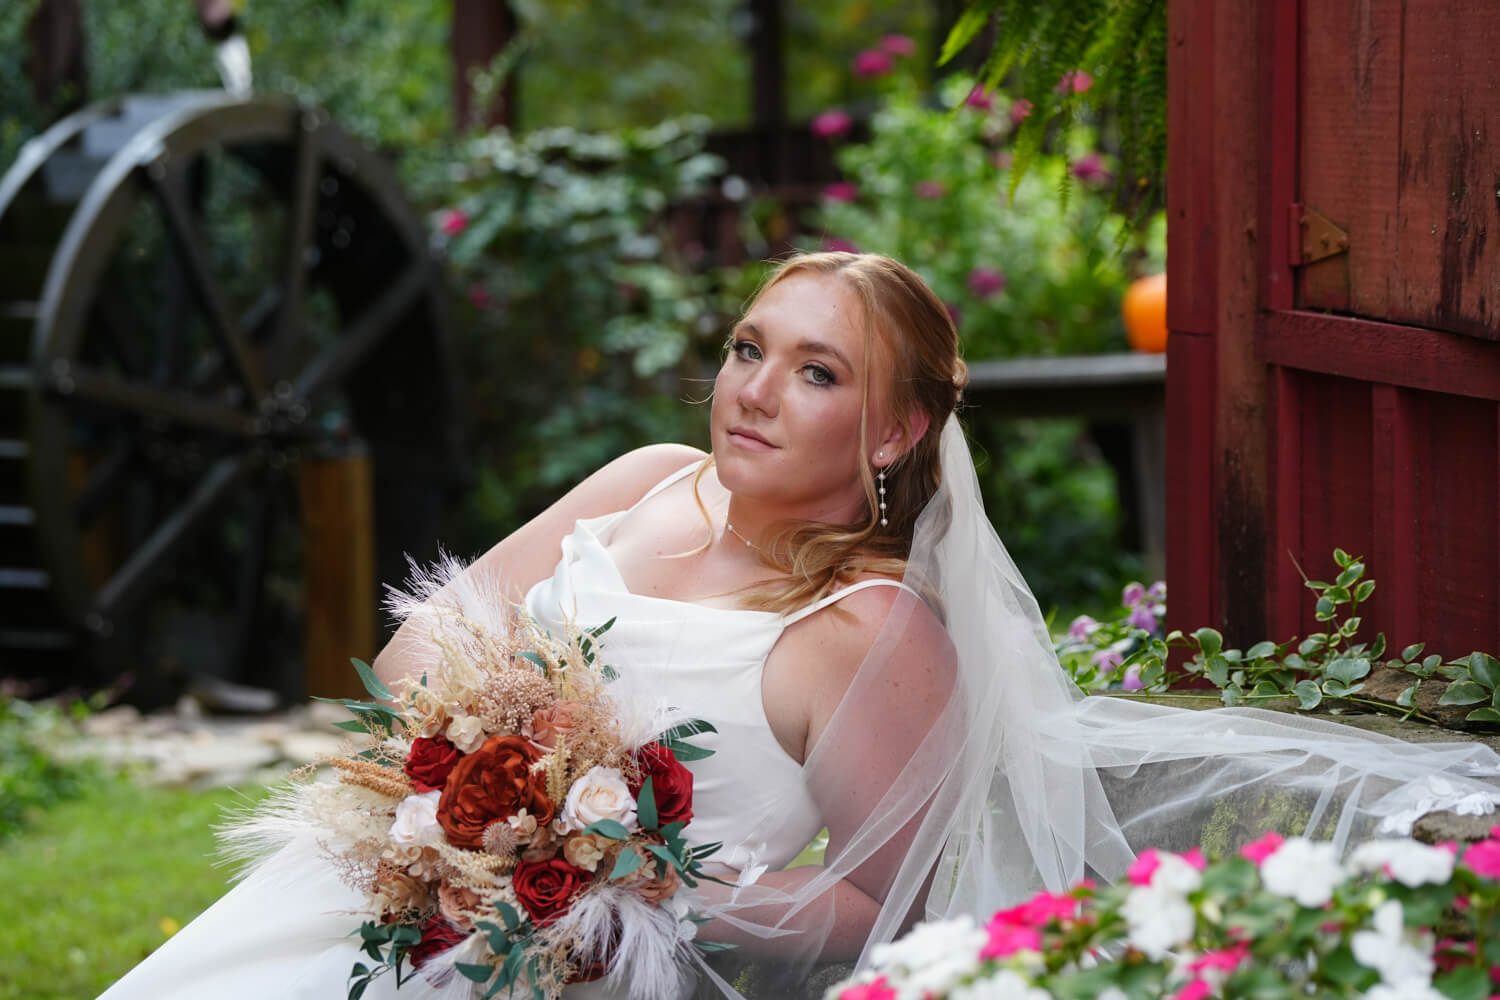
column 612, row 829
column 1309, row 695
column 474, row 972
column 645, row 805
column 372, row 684
column 1463, row 693
column 627, row 862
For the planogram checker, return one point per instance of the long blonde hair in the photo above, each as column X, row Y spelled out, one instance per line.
column 911, row 328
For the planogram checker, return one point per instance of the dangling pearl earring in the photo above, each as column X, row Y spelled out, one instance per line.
column 880, row 482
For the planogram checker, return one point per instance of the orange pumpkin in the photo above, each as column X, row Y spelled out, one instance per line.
column 1145, row 311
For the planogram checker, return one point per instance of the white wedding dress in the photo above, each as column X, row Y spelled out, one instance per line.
column 284, row 931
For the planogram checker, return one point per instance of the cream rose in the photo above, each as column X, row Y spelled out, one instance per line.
column 599, row 794
column 466, row 733
column 416, row 822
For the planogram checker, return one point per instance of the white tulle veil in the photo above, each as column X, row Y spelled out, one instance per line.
column 1016, row 782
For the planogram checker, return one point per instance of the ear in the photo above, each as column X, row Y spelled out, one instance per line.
column 898, row 440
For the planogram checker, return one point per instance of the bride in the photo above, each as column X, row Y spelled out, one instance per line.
column 825, row 590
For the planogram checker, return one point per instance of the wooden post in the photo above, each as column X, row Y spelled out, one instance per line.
column 338, row 546
column 481, row 30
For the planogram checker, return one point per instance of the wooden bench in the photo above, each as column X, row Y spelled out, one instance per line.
column 1127, row 392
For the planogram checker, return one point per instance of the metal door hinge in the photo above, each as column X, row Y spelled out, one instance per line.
column 1312, row 235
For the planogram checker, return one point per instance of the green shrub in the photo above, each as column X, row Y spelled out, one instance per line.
column 30, row 778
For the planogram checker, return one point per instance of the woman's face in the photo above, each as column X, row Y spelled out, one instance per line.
column 787, row 402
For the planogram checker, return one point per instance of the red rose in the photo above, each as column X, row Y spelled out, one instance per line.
column 438, row 935
column 430, row 761
column 546, row 888
column 671, row 784
column 491, row 784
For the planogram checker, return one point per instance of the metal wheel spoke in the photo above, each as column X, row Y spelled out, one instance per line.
column 158, row 548
column 193, row 256
column 355, row 341
column 304, row 204
column 149, row 400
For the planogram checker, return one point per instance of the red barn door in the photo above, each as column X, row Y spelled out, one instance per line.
column 1334, row 369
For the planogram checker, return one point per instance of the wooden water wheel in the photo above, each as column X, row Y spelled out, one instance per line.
column 205, row 300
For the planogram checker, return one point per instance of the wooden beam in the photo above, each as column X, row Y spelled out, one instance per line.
column 481, row 30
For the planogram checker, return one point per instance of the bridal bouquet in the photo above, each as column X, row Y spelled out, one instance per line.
column 516, row 818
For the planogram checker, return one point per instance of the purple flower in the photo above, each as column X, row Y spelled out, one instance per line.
column 835, row 245
column 841, row 191
column 1080, row 628
column 898, row 45
column 1158, row 591
column 1019, row 111
column 831, row 123
column 930, row 189
column 1141, row 617
column 1132, row 679
column 985, row 282
column 1107, row 660
column 978, row 98
column 872, row 62
column 1090, row 168
column 1074, row 81
column 1132, row 595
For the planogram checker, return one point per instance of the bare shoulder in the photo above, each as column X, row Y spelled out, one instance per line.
column 891, row 618
column 631, row 476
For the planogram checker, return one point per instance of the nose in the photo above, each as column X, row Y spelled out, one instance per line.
column 758, row 392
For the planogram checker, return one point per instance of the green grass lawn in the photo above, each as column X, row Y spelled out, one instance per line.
column 96, row 883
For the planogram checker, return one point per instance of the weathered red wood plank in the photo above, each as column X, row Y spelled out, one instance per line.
column 1393, row 556
column 1279, row 142
column 1349, row 122
column 1456, row 532
column 1190, row 488
column 1284, row 610
column 1447, row 269
column 1381, row 352
column 1192, row 299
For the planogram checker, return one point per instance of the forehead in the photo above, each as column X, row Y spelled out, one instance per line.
column 813, row 307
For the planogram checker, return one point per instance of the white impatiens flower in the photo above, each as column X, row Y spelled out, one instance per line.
column 416, row 823
column 1112, row 993
column 1403, row 960
column 600, row 794
column 1159, row 918
column 1174, row 874
column 1006, row 984
column 932, row 957
column 1406, row 991
column 1304, row 870
column 1408, row 862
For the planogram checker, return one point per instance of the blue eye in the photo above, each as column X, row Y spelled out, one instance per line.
column 818, row 375
column 746, row 351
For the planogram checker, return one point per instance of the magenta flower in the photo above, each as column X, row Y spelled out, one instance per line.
column 1144, row 867
column 898, row 45
column 453, row 222
column 1142, row 618
column 1222, row 960
column 1075, row 81
column 1132, row 595
column 1080, row 628
column 930, row 189
column 872, row 62
column 1019, row 111
column 479, row 296
column 1196, row 989
column 978, row 98
column 1132, row 679
column 1041, row 910
column 985, row 282
column 841, row 191
column 1007, row 938
column 1158, row 591
column 876, row 989
column 835, row 245
column 1090, row 169
column 1483, row 858
column 1257, row 851
column 831, row 123
column 1195, row 858
column 1107, row 660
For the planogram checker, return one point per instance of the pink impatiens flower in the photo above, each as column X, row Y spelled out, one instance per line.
column 831, row 123
column 1196, row 989
column 1142, row 618
column 985, row 282
column 872, row 62
column 1007, row 939
column 1074, row 81
column 898, row 45
column 876, row 989
column 1195, row 858
column 1144, row 867
column 930, row 189
column 1081, row 627
column 1019, row 111
column 978, row 98
column 1258, row 851
column 1132, row 679
column 453, row 221
column 1107, row 660
column 1483, row 858
column 1223, row 960
column 841, row 191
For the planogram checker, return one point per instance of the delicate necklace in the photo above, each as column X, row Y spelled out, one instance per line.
column 733, row 531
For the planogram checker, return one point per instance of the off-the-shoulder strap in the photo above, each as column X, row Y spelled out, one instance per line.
column 839, row 595
column 680, row 474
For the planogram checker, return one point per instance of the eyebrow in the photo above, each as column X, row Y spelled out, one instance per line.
column 808, row 346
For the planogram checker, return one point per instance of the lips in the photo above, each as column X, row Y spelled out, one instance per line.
column 746, row 437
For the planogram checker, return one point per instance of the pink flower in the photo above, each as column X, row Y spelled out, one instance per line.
column 831, row 123
column 453, row 221
column 1019, row 111
column 978, row 98
column 1142, row 618
column 930, row 189
column 898, row 45
column 1197, row 989
column 1195, row 858
column 1080, row 628
column 1133, row 595
column 1074, row 81
column 841, row 191
column 1224, row 960
column 872, row 62
column 1258, row 851
column 954, row 313
column 1107, row 660
column 835, row 245
column 1132, row 679
column 1144, row 867
column 479, row 296
column 1483, row 858
column 876, row 989
column 1090, row 169
column 1007, row 939
column 985, row 282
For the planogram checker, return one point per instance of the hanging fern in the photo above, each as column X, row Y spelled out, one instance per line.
column 1121, row 44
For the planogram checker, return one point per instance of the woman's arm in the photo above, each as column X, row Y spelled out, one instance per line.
column 529, row 554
